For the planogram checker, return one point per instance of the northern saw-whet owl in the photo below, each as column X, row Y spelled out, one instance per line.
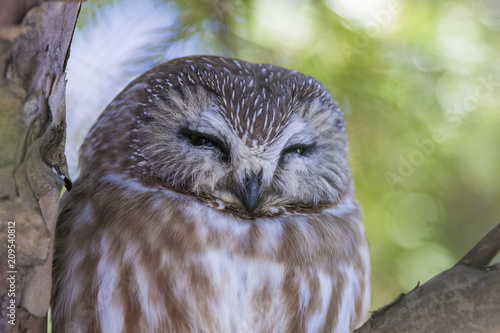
column 215, row 195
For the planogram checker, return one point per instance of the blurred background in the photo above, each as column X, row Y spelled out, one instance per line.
column 418, row 81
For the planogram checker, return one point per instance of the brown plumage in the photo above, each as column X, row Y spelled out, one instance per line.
column 214, row 196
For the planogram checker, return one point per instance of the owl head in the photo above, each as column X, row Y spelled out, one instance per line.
column 251, row 140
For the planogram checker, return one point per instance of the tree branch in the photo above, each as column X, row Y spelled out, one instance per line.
column 484, row 251
column 464, row 298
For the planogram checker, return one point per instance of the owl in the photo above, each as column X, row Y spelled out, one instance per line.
column 215, row 195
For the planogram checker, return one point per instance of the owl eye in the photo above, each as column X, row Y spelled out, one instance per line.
column 206, row 140
column 198, row 140
column 296, row 150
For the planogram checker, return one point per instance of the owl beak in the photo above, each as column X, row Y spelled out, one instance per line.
column 250, row 193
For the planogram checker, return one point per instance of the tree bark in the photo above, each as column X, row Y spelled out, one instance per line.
column 34, row 44
column 462, row 299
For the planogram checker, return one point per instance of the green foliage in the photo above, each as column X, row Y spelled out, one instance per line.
column 419, row 83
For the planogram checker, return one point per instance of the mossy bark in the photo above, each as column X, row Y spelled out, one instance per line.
column 34, row 46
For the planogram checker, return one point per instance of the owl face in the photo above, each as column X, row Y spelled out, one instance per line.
column 249, row 139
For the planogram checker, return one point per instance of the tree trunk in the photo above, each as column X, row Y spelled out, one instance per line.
column 34, row 44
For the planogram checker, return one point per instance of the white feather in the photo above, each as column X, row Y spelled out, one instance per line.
column 101, row 53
